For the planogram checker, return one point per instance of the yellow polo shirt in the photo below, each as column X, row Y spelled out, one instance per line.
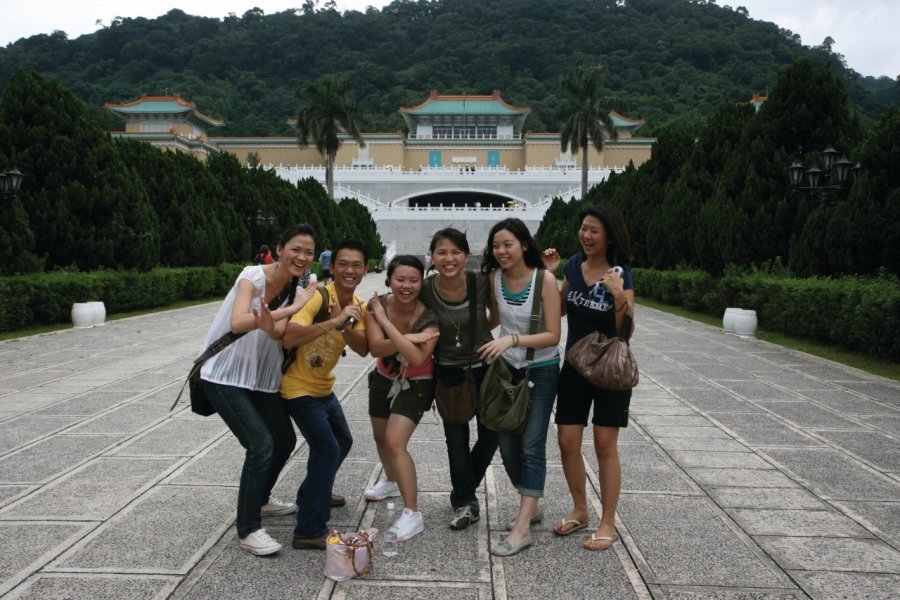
column 311, row 374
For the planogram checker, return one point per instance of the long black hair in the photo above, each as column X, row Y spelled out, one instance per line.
column 530, row 249
column 618, row 247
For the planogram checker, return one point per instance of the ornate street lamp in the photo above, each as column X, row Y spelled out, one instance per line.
column 10, row 180
column 815, row 180
column 258, row 223
column 260, row 220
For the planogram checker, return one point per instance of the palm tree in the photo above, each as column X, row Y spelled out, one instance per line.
column 328, row 109
column 585, row 115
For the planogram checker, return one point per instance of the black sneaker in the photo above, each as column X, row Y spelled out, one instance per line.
column 464, row 517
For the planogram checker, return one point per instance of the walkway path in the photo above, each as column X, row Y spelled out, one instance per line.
column 750, row 471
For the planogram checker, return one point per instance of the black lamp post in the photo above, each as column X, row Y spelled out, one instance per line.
column 258, row 222
column 10, row 180
column 815, row 180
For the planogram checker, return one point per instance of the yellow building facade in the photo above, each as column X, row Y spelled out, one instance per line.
column 444, row 132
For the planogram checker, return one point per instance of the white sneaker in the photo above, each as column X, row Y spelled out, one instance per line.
column 276, row 507
column 409, row 525
column 382, row 489
column 260, row 543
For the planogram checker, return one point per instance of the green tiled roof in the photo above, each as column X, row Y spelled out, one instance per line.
column 165, row 105
column 465, row 107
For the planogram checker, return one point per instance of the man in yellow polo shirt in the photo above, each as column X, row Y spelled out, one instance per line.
column 308, row 387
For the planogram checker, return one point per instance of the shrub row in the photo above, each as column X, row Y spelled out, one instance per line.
column 857, row 313
column 46, row 298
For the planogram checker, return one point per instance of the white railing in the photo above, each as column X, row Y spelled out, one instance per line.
column 366, row 200
column 389, row 171
column 414, row 136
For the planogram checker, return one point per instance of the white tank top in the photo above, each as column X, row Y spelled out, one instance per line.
column 515, row 318
column 254, row 361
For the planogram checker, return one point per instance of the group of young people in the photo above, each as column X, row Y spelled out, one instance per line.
column 421, row 331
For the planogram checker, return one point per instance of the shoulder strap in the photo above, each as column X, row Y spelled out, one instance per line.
column 535, row 309
column 325, row 309
column 472, row 295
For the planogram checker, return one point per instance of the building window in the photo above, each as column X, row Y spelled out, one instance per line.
column 156, row 126
column 487, row 132
column 463, row 132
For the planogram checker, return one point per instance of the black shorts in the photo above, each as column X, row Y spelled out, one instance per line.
column 412, row 402
column 574, row 398
column 326, row 274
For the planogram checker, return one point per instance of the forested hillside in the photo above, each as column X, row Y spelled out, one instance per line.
column 670, row 61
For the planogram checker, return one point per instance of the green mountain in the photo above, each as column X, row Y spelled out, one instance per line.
column 670, row 61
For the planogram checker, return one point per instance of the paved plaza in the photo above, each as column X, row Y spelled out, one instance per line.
column 749, row 471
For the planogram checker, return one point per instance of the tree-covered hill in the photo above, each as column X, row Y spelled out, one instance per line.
column 671, row 61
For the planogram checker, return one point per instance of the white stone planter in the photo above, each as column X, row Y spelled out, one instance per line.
column 82, row 315
column 728, row 319
column 745, row 324
column 98, row 310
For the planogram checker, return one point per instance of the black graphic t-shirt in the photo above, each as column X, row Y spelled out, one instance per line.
column 589, row 308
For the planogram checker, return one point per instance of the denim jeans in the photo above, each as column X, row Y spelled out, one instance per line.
column 467, row 466
column 321, row 422
column 525, row 455
column 260, row 422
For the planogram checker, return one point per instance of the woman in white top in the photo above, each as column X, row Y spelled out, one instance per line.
column 513, row 259
column 242, row 380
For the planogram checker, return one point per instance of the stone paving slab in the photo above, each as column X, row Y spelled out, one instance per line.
column 748, row 469
column 764, row 430
column 705, row 593
column 45, row 540
column 765, row 498
column 833, row 474
column 19, row 431
column 76, row 497
column 162, row 532
column 684, row 541
column 96, row 587
column 829, row 585
column 796, row 522
column 52, row 456
column 832, row 554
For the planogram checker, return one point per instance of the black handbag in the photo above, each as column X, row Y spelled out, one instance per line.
column 505, row 402
column 456, row 400
column 200, row 403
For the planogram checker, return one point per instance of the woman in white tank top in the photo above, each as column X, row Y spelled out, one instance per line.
column 242, row 380
column 513, row 261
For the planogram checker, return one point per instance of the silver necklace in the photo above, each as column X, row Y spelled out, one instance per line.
column 456, row 324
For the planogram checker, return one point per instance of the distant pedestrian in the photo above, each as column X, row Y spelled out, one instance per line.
column 264, row 256
column 325, row 259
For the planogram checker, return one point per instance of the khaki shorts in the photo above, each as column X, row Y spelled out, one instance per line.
column 412, row 402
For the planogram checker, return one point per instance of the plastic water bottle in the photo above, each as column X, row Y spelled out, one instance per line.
column 390, row 536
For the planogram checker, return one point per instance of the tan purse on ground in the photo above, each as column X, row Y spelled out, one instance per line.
column 606, row 362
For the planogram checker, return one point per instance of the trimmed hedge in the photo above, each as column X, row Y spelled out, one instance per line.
column 46, row 298
column 858, row 313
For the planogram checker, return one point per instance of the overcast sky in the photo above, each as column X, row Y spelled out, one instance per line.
column 865, row 31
